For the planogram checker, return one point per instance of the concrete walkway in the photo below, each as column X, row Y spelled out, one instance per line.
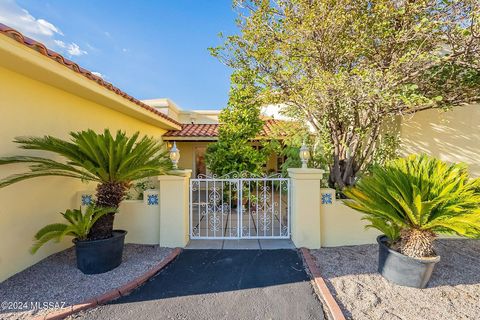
column 221, row 284
column 255, row 244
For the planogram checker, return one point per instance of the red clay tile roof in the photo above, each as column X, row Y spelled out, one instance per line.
column 270, row 128
column 194, row 130
column 39, row 47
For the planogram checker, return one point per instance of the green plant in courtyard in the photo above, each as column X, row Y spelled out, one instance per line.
column 138, row 187
column 240, row 124
column 347, row 69
column 78, row 225
column 412, row 199
column 112, row 161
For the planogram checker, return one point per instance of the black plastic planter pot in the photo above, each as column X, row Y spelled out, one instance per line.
column 99, row 256
column 401, row 269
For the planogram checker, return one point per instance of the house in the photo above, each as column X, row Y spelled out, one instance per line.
column 43, row 93
column 200, row 127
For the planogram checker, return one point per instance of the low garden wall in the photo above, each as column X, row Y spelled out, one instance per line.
column 141, row 218
column 341, row 225
column 318, row 219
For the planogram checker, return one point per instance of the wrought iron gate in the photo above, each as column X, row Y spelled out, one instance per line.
column 239, row 206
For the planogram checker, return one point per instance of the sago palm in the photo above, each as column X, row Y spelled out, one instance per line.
column 78, row 225
column 112, row 161
column 412, row 199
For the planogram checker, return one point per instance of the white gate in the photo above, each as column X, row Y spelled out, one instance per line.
column 240, row 206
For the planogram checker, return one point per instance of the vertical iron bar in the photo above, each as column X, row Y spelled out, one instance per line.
column 199, row 205
column 273, row 204
column 239, row 209
column 214, row 210
column 257, row 226
column 249, row 206
column 280, row 204
column 222, row 227
column 206, row 208
column 264, row 207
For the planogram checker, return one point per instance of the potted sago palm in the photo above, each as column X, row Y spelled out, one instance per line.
column 411, row 200
column 113, row 162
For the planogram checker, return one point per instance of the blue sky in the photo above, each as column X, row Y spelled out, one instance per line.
column 149, row 49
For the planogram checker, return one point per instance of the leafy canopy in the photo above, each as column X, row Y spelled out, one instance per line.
column 347, row 68
column 92, row 157
column 78, row 225
column 418, row 192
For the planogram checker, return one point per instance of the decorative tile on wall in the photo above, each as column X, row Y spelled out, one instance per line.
column 327, row 198
column 151, row 197
column 87, row 199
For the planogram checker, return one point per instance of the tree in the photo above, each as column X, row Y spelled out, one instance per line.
column 113, row 162
column 348, row 68
column 240, row 123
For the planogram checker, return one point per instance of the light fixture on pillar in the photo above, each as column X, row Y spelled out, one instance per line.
column 304, row 155
column 174, row 155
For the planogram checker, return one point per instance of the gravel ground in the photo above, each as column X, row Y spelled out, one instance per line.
column 57, row 280
column 453, row 291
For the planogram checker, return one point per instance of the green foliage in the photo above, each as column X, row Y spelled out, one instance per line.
column 240, row 124
column 418, row 192
column 224, row 157
column 138, row 187
column 78, row 225
column 291, row 151
column 348, row 68
column 92, row 157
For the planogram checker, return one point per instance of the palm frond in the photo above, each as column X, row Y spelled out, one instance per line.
column 419, row 192
column 78, row 225
column 92, row 156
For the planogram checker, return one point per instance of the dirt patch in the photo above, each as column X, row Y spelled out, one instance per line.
column 452, row 293
column 55, row 282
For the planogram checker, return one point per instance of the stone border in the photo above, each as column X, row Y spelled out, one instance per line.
column 322, row 291
column 112, row 294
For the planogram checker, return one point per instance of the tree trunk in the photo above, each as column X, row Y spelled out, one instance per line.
column 417, row 243
column 109, row 195
column 341, row 175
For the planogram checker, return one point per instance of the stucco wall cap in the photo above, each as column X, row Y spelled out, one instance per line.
column 176, row 175
column 305, row 174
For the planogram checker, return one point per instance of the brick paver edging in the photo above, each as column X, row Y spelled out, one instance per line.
column 323, row 292
column 112, row 294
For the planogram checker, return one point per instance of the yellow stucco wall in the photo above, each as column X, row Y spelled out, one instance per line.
column 30, row 107
column 341, row 225
column 187, row 154
column 452, row 136
column 174, row 208
column 305, row 207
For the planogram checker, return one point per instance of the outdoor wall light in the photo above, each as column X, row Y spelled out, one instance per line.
column 304, row 155
column 174, row 155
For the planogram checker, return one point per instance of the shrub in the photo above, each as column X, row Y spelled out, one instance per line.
column 78, row 225
column 412, row 199
column 111, row 161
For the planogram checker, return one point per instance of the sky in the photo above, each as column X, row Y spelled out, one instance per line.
column 149, row 49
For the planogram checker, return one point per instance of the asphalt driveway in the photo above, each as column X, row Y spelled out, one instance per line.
column 221, row 284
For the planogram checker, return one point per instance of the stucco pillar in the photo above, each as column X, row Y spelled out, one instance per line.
column 305, row 207
column 174, row 214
